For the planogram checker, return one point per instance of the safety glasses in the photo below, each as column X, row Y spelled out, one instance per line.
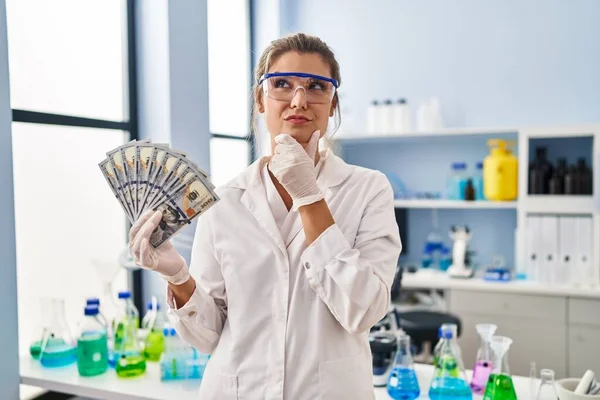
column 282, row 86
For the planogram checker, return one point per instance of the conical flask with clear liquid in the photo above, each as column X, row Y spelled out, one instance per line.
column 449, row 380
column 438, row 346
column 128, row 357
column 402, row 382
column 484, row 361
column 546, row 390
column 57, row 347
column 500, row 384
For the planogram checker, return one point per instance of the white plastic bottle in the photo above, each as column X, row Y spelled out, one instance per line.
column 402, row 119
column 372, row 118
column 387, row 118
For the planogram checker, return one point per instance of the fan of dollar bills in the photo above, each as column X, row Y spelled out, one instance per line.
column 148, row 176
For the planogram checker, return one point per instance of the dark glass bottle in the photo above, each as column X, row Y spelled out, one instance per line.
column 559, row 173
column 556, row 183
column 540, row 172
column 584, row 177
column 469, row 190
column 571, row 181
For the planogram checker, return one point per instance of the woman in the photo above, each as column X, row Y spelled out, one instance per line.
column 293, row 266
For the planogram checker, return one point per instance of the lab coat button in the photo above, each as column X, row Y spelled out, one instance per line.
column 307, row 265
column 192, row 314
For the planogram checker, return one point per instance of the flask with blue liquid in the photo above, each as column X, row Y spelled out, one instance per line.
column 449, row 379
column 402, row 382
column 180, row 360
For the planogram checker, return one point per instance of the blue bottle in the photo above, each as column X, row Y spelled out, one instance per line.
column 402, row 382
column 457, row 182
column 478, row 182
column 445, row 258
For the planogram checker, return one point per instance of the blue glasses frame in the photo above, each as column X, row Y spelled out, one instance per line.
column 300, row 75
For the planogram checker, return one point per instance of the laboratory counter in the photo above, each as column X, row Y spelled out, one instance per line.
column 434, row 279
column 149, row 386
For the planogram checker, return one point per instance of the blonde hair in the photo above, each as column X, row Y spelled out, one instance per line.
column 299, row 43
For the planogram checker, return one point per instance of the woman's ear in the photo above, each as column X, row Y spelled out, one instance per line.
column 334, row 103
column 258, row 100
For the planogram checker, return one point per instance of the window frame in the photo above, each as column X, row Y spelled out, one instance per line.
column 249, row 138
column 130, row 123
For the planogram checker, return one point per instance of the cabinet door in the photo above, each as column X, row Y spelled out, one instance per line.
column 584, row 349
column 540, row 341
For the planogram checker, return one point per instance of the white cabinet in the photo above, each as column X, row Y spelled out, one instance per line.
column 584, row 336
column 537, row 325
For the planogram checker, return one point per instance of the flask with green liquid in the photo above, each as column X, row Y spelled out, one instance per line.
column 500, row 384
column 129, row 360
column 92, row 344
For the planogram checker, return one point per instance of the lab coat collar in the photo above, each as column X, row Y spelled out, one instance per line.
column 334, row 171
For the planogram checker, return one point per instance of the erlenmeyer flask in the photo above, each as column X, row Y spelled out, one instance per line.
column 483, row 362
column 449, row 379
column 57, row 347
column 546, row 390
column 129, row 360
column 500, row 384
column 402, row 382
column 438, row 346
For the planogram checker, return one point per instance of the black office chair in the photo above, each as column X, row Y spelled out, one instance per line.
column 421, row 325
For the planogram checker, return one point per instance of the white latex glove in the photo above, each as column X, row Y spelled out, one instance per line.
column 294, row 168
column 164, row 259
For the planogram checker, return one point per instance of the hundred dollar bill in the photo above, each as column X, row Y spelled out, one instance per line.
column 156, row 158
column 193, row 199
column 143, row 160
column 116, row 161
column 157, row 162
column 110, row 176
column 175, row 175
column 184, row 174
column 170, row 160
column 128, row 154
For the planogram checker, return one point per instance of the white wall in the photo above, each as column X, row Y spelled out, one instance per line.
column 173, row 91
column 9, row 362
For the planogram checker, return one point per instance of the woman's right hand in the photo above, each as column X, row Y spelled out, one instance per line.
column 164, row 259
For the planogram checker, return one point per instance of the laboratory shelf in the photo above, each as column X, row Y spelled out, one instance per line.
column 107, row 386
column 453, row 204
column 149, row 387
column 564, row 204
column 446, row 132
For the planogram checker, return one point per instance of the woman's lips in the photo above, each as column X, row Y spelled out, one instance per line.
column 297, row 119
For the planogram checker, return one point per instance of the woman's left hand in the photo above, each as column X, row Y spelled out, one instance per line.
column 294, row 168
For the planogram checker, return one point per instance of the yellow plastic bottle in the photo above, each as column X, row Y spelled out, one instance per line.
column 500, row 172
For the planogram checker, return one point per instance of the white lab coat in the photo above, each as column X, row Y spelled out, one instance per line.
column 281, row 320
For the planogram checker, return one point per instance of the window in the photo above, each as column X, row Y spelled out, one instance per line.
column 66, row 57
column 72, row 86
column 229, row 76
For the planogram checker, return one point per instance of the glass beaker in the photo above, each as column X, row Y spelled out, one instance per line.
column 449, row 379
column 57, row 347
column 92, row 344
column 128, row 358
column 500, row 384
column 546, row 390
column 153, row 324
column 483, row 362
column 402, row 382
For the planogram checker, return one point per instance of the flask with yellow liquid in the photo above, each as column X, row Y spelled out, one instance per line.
column 500, row 172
